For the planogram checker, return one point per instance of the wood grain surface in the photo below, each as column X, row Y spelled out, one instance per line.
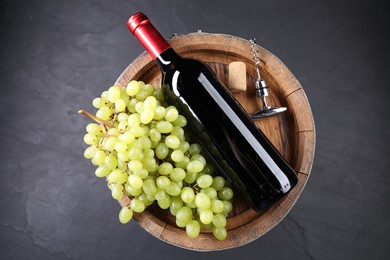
column 292, row 133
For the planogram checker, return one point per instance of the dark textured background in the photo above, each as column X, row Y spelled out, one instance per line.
column 57, row 55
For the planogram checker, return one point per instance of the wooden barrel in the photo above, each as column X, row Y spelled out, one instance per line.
column 292, row 133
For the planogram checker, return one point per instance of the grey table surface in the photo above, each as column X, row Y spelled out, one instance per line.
column 57, row 55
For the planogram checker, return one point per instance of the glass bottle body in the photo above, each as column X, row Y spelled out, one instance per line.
column 219, row 123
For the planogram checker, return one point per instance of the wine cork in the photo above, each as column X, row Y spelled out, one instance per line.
column 237, row 76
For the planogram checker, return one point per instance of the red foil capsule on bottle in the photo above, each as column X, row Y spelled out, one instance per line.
column 147, row 35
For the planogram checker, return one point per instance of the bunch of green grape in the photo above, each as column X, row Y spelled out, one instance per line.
column 140, row 146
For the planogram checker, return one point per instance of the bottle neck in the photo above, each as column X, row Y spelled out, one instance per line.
column 168, row 60
column 147, row 35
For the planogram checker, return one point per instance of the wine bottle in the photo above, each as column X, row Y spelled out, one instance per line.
column 218, row 122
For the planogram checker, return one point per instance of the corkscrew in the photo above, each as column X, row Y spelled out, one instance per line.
column 262, row 90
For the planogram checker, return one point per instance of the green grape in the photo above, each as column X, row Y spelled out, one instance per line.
column 90, row 139
column 206, row 216
column 164, row 127
column 145, row 142
column 193, row 228
column 123, row 177
column 120, row 105
column 146, row 116
column 116, row 176
column 177, row 174
column 135, row 181
column 97, row 103
column 178, row 131
column 164, row 203
column 184, row 214
column 135, row 165
column 142, row 173
column 122, row 126
column 177, row 155
column 172, row 141
column 94, row 129
column 149, row 187
column 102, row 171
column 210, row 192
column 155, row 135
column 150, row 164
column 132, row 88
column 125, row 215
column 137, row 206
column 122, row 165
column 134, row 120
column 225, row 193
column 120, row 147
column 125, row 98
column 131, row 105
column 195, row 166
column 219, row 233
column 161, row 151
column 99, row 157
column 204, row 181
column 104, row 113
column 191, row 177
column 181, row 223
column 113, row 132
column 176, row 204
column 184, row 146
column 137, row 144
column 110, row 143
column 173, row 189
column 228, row 207
column 110, row 162
column 132, row 191
column 163, row 182
column 187, row 194
column 142, row 95
column 160, row 194
column 202, row 201
column 181, row 121
column 150, row 103
column 135, row 153
column 146, row 130
column 183, row 163
column 148, row 153
column 165, row 168
column 137, row 131
column 117, row 191
column 198, row 157
column 144, row 198
column 127, row 137
column 171, row 114
column 218, row 183
column 89, row 153
column 195, row 149
column 122, row 117
column 219, row 221
column 149, row 89
column 157, row 93
column 217, row 206
column 114, row 93
column 191, row 204
column 159, row 113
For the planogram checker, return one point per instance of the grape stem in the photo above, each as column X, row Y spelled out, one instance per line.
column 95, row 118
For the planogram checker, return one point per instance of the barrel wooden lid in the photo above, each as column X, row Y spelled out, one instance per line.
column 292, row 133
